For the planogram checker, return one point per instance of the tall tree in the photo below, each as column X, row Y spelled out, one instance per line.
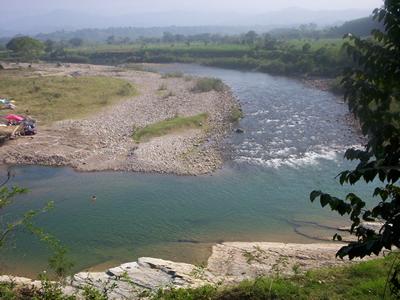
column 372, row 90
column 76, row 42
column 26, row 47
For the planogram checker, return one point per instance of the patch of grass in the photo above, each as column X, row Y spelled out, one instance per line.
column 256, row 255
column 236, row 114
column 204, row 85
column 359, row 281
column 168, row 126
column 173, row 75
column 168, row 94
column 140, row 68
column 188, row 78
column 56, row 98
column 162, row 87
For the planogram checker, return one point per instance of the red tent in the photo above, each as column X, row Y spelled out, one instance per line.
column 15, row 118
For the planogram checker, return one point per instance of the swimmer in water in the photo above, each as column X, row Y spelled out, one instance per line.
column 94, row 198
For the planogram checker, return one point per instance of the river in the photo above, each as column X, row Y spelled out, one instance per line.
column 293, row 142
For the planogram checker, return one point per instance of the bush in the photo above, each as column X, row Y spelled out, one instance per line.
column 126, row 90
column 172, row 75
column 274, row 67
column 236, row 114
column 204, row 85
column 78, row 59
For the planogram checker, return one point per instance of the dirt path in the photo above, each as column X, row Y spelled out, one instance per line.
column 103, row 141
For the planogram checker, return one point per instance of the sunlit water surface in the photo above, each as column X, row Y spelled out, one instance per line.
column 293, row 143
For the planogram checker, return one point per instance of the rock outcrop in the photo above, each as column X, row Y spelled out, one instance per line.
column 229, row 263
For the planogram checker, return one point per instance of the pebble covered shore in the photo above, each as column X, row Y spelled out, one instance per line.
column 103, row 141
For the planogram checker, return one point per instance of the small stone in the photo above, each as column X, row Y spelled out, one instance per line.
column 239, row 130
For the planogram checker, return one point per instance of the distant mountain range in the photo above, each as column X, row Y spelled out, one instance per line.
column 69, row 21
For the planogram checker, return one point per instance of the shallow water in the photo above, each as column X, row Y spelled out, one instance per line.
column 293, row 142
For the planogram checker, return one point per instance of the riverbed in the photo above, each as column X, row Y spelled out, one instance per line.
column 293, row 142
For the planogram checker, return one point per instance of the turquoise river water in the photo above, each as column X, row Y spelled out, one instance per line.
column 293, row 143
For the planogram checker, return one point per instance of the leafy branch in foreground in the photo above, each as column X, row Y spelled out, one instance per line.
column 58, row 262
column 6, row 198
column 372, row 90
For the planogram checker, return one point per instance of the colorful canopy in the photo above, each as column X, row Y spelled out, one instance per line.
column 15, row 118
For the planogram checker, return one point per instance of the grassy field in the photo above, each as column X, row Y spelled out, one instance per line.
column 317, row 44
column 50, row 99
column 360, row 281
column 323, row 57
column 168, row 126
column 162, row 46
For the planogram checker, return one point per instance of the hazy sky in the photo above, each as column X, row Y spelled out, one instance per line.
column 113, row 7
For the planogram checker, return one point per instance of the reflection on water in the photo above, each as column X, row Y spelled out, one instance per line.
column 291, row 145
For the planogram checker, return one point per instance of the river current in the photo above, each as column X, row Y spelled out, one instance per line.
column 293, row 142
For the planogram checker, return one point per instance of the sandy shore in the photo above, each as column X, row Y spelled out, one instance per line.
column 103, row 141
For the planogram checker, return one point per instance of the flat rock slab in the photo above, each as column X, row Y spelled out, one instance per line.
column 229, row 263
column 237, row 261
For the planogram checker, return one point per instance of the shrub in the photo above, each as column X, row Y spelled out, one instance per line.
column 173, row 75
column 204, row 85
column 162, row 87
column 236, row 114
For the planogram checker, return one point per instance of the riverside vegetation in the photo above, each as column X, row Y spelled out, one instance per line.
column 366, row 280
column 55, row 98
column 101, row 112
column 170, row 125
column 305, row 50
column 281, row 57
column 372, row 92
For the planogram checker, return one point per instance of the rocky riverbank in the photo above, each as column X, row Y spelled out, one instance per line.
column 103, row 141
column 229, row 263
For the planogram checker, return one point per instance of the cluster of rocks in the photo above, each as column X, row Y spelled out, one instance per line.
column 229, row 263
column 104, row 141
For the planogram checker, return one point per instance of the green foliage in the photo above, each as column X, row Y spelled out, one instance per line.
column 170, row 125
column 306, row 47
column 359, row 281
column 372, row 92
column 126, row 90
column 236, row 114
column 322, row 57
column 59, row 262
column 162, row 87
column 26, row 47
column 6, row 198
column 173, row 75
column 55, row 98
column 91, row 293
column 7, row 291
column 359, row 27
column 49, row 290
column 203, row 293
column 76, row 42
column 204, row 85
